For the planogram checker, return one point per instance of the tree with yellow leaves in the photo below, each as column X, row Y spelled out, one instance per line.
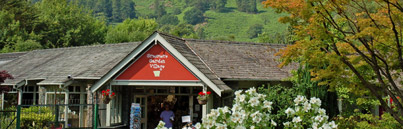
column 354, row 43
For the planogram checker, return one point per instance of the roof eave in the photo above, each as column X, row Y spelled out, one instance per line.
column 252, row 79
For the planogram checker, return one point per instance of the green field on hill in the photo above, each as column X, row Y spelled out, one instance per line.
column 221, row 25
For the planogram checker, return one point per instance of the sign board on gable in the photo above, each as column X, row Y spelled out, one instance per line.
column 157, row 64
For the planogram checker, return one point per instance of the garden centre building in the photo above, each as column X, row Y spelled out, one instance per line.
column 162, row 69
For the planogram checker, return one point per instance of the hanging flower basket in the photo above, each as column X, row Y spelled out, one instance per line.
column 202, row 97
column 107, row 96
column 106, row 100
column 202, row 102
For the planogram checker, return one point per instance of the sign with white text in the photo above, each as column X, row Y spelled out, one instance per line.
column 157, row 64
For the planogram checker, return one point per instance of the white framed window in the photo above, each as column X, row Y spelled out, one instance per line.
column 54, row 98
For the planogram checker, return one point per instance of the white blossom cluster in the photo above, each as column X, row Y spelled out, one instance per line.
column 161, row 125
column 308, row 111
column 250, row 110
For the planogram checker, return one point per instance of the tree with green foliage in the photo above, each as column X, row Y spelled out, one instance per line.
column 131, row 30
column 168, row 19
column 202, row 5
column 248, row 6
column 64, row 24
column 218, row 5
column 176, row 11
column 276, row 38
column 102, row 8
column 358, row 41
column 184, row 30
column 159, row 9
column 47, row 24
column 254, row 30
column 16, row 23
column 127, row 9
column 113, row 10
column 193, row 16
column 116, row 11
column 28, row 45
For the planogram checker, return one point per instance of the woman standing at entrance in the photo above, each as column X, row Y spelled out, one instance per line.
column 167, row 116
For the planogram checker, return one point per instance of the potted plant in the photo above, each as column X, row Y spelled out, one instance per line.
column 107, row 96
column 202, row 97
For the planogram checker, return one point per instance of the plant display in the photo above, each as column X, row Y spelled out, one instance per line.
column 308, row 114
column 250, row 110
column 36, row 117
column 203, row 96
column 107, row 95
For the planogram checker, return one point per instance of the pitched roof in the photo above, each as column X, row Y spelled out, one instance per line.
column 217, row 60
column 54, row 65
column 240, row 60
column 7, row 57
column 191, row 56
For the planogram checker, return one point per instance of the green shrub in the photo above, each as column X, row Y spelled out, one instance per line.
column 252, row 109
column 36, row 117
column 169, row 19
column 194, row 16
column 255, row 30
column 27, row 45
column 368, row 121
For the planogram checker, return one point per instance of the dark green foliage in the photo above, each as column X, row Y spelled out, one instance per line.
column 277, row 38
column 225, row 38
column 113, row 10
column 36, row 117
column 218, row 5
column 47, row 24
column 166, row 28
column 183, row 30
column 159, row 9
column 248, row 6
column 131, row 30
column 127, row 9
column 176, row 11
column 169, row 19
column 254, row 30
column 306, row 86
column 116, row 11
column 16, row 21
column 102, row 8
column 200, row 33
column 282, row 98
column 193, row 16
column 202, row 5
column 61, row 24
column 27, row 45
column 368, row 121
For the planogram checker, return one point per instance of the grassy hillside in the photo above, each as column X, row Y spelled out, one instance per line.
column 220, row 25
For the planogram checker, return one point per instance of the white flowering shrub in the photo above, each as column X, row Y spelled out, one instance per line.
column 161, row 125
column 250, row 110
column 308, row 114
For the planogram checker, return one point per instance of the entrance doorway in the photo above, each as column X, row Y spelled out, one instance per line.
column 153, row 105
column 182, row 101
